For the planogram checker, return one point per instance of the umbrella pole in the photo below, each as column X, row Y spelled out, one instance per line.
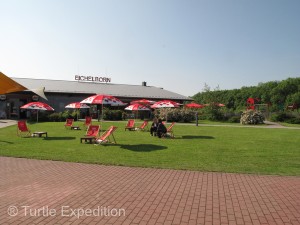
column 101, row 119
column 37, row 115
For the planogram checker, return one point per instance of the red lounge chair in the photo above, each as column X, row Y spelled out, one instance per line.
column 143, row 126
column 23, row 129
column 105, row 137
column 88, row 121
column 69, row 123
column 92, row 131
column 170, row 132
column 91, row 134
column 130, row 125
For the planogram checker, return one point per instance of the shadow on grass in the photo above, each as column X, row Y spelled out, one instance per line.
column 197, row 137
column 7, row 142
column 59, row 138
column 143, row 147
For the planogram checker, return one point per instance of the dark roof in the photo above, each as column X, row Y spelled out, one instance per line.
column 117, row 90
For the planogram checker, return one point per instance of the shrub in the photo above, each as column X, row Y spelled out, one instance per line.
column 252, row 117
column 280, row 117
column 234, row 119
column 65, row 115
column 112, row 114
column 55, row 117
column 75, row 114
column 294, row 121
column 175, row 114
column 214, row 113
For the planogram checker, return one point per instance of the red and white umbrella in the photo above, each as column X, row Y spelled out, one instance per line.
column 38, row 106
column 103, row 100
column 77, row 105
column 194, row 105
column 143, row 102
column 137, row 107
column 165, row 104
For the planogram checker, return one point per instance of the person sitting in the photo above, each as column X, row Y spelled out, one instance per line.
column 153, row 128
column 161, row 129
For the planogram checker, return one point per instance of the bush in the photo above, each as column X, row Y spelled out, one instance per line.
column 75, row 114
column 65, row 115
column 234, row 119
column 55, row 117
column 280, row 117
column 175, row 114
column 214, row 113
column 252, row 117
column 294, row 121
column 112, row 114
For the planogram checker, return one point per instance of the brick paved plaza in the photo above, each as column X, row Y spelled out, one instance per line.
column 49, row 192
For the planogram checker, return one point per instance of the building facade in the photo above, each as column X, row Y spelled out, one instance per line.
column 60, row 93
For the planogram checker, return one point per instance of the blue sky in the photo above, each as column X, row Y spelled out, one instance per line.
column 177, row 45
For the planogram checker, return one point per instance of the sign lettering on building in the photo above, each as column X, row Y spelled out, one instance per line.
column 92, row 79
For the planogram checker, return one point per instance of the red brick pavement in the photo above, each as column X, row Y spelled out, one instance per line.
column 49, row 192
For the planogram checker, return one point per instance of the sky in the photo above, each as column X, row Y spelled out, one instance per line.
column 179, row 45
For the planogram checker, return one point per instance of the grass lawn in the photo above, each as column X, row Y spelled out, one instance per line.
column 222, row 149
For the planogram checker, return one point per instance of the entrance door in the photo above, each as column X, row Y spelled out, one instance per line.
column 23, row 112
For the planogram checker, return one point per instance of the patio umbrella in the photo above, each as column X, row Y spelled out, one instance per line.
column 194, row 105
column 77, row 105
column 165, row 104
column 143, row 102
column 103, row 100
column 137, row 107
column 37, row 106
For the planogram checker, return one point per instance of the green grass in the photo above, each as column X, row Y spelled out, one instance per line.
column 222, row 149
column 289, row 124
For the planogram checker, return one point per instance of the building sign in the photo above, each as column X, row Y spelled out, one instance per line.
column 35, row 97
column 92, row 79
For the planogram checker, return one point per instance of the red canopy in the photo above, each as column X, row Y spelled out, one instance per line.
column 143, row 102
column 137, row 107
column 194, row 105
column 38, row 106
column 77, row 105
column 165, row 104
column 103, row 100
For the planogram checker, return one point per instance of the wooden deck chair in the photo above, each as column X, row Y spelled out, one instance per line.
column 87, row 122
column 23, row 129
column 143, row 126
column 93, row 131
column 170, row 132
column 130, row 125
column 105, row 137
column 69, row 123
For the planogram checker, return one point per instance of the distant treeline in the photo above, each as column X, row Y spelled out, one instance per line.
column 278, row 94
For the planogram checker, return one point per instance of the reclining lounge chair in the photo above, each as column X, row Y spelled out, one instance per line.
column 143, row 126
column 69, row 123
column 22, row 129
column 105, row 137
column 130, row 125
